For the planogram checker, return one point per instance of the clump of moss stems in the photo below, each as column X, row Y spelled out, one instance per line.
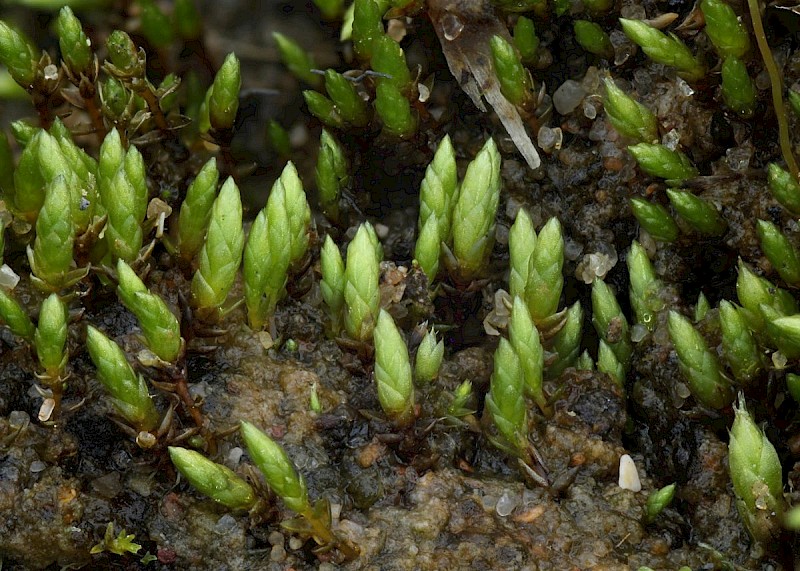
column 97, row 221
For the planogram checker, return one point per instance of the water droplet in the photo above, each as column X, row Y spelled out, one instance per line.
column 452, row 26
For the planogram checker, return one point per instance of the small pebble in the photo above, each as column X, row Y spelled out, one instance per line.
column 37, row 466
column 225, row 524
column 8, row 277
column 275, row 538
column 628, row 474
column 295, row 543
column 568, row 96
column 489, row 502
column 18, row 418
column 278, row 553
column 506, row 504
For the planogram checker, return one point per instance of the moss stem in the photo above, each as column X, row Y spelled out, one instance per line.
column 777, row 88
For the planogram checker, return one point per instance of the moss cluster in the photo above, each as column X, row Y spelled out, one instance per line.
column 655, row 209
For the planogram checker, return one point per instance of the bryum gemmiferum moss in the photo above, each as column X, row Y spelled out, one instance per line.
column 81, row 218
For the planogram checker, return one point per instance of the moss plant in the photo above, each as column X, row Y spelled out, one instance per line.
column 140, row 299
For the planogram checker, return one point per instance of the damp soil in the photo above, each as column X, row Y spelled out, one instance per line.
column 439, row 495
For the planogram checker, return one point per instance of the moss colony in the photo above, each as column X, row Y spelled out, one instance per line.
column 514, row 289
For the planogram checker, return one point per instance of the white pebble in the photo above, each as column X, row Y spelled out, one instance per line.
column 628, row 475
column 506, row 504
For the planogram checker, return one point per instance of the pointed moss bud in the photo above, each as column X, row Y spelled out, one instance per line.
column 525, row 40
column 367, row 26
column 698, row 364
column 794, row 101
column 521, row 245
column 83, row 189
column 128, row 390
column 513, row 78
column 23, row 132
column 123, row 53
column 114, row 97
column 298, row 60
column 75, row 45
column 361, row 292
column 628, row 116
column 786, row 332
column 388, row 58
column 607, row 363
column 701, row 215
column 756, row 475
column 278, row 470
column 188, row 22
column 505, row 402
column 739, row 347
column 223, row 104
column 567, row 342
column 591, row 37
column 15, row 317
column 781, row 252
column 29, row 180
column 657, row 501
column 429, row 358
column 331, row 174
column 738, row 89
column 754, row 291
column 610, row 323
column 524, row 338
column 290, row 202
column 427, row 249
column 278, row 138
column 214, row 480
column 349, row 103
column 195, row 211
column 584, row 362
column 725, row 29
column 277, row 240
column 664, row 49
column 393, row 372
column 658, row 160
column 159, row 325
column 545, row 272
column 254, row 270
column 438, row 190
column 474, row 213
column 125, row 201
column 50, row 338
column 330, row 9
column 19, row 55
column 155, row 24
column 377, row 247
column 701, row 308
column 395, row 111
column 323, row 109
column 793, row 386
column 333, row 282
column 784, row 188
column 221, row 253
column 655, row 219
column 51, row 255
column 112, row 154
column 461, row 399
column 645, row 287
